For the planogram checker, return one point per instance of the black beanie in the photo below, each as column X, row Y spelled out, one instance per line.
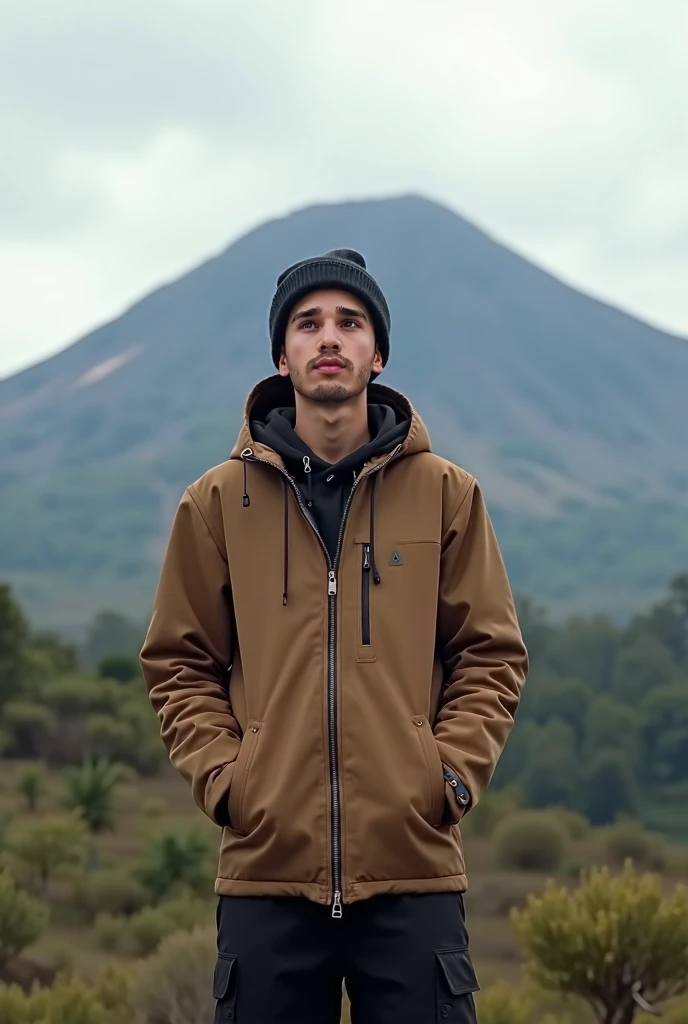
column 339, row 268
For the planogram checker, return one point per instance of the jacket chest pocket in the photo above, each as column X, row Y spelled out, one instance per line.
column 403, row 605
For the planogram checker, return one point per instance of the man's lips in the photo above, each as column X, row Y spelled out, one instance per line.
column 328, row 366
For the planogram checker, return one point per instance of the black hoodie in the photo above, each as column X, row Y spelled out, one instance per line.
column 326, row 488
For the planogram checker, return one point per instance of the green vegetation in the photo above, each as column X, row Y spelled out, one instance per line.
column 618, row 942
column 603, row 724
column 108, row 837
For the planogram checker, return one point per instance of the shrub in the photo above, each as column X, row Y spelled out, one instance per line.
column 174, row 986
column 577, row 825
column 489, row 811
column 629, row 840
column 503, row 1003
column 31, row 785
column 176, row 858
column 43, row 848
column 112, row 933
column 611, row 941
column 29, row 727
column 22, row 919
column 142, row 933
column 110, row 892
column 530, row 841
column 69, row 1001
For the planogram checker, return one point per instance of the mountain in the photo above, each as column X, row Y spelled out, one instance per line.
column 572, row 413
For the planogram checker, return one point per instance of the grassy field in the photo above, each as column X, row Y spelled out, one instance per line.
column 146, row 808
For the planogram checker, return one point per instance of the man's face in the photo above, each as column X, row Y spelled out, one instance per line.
column 329, row 350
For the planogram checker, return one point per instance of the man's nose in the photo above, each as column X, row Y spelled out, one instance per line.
column 328, row 335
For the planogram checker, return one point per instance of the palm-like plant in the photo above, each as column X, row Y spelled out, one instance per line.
column 91, row 792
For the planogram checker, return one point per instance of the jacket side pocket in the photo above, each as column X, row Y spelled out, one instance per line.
column 434, row 768
column 247, row 752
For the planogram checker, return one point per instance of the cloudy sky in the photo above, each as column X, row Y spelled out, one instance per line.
column 138, row 139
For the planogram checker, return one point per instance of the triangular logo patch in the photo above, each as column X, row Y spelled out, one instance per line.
column 396, row 559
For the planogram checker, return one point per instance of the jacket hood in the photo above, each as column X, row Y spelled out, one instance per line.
column 277, row 392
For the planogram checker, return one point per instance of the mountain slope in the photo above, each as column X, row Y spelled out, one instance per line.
column 570, row 411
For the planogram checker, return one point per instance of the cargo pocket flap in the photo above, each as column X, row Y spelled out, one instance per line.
column 222, row 978
column 458, row 971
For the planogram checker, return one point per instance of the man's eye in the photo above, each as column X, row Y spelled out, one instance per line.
column 350, row 323
column 307, row 323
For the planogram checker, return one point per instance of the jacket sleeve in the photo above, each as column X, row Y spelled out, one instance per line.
column 485, row 660
column 187, row 655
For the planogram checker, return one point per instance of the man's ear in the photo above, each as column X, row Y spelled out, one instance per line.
column 283, row 366
column 377, row 362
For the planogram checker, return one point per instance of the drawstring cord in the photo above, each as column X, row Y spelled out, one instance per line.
column 285, row 555
column 246, row 501
column 373, row 564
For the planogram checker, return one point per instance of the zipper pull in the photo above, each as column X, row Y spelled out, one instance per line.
column 306, row 464
column 366, row 557
column 331, row 584
column 337, row 905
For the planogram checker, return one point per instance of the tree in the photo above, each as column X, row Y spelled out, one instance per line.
column 616, row 941
column 122, row 667
column 609, row 788
column 31, row 785
column 586, row 649
column 641, row 668
column 91, row 793
column 549, row 695
column 552, row 772
column 668, row 620
column 29, row 726
column 52, row 654
column 14, row 634
column 665, row 726
column 22, row 919
column 610, row 725
column 110, row 633
column 176, row 858
column 43, row 848
column 535, row 626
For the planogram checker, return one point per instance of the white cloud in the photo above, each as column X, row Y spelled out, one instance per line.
column 141, row 139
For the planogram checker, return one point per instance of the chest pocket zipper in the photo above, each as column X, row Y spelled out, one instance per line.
column 365, row 596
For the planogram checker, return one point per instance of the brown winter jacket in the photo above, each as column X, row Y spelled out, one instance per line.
column 313, row 712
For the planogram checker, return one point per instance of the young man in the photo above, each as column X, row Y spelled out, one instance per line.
column 336, row 662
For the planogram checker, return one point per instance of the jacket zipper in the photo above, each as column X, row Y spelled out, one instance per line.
column 365, row 597
column 247, row 454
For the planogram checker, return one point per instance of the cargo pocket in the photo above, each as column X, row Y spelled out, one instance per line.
column 456, row 983
column 224, row 988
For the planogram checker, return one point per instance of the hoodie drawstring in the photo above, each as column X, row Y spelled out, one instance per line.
column 285, row 554
column 246, row 501
column 373, row 564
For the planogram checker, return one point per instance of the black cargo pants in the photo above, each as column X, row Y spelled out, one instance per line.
column 404, row 960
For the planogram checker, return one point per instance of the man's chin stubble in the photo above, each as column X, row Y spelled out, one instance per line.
column 332, row 393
